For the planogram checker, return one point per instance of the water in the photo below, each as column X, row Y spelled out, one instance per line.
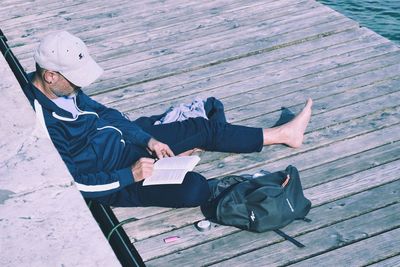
column 381, row 16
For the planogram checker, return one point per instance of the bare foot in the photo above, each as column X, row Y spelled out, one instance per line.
column 291, row 133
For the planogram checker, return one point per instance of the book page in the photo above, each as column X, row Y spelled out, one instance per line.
column 171, row 170
column 171, row 163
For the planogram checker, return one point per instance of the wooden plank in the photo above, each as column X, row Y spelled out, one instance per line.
column 133, row 55
column 208, row 76
column 39, row 17
column 248, row 69
column 364, row 252
column 184, row 70
column 320, row 89
column 10, row 10
column 210, row 15
column 350, row 165
column 274, row 89
column 144, row 103
column 274, row 86
column 137, row 212
column 104, row 12
column 322, row 96
column 270, row 254
column 228, row 67
column 218, row 39
column 350, row 184
column 8, row 3
column 161, row 223
column 202, row 13
column 190, row 238
column 118, row 29
column 93, row 23
column 142, row 28
column 230, row 16
column 390, row 262
column 191, row 61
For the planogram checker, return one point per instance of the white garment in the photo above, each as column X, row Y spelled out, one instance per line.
column 67, row 103
column 184, row 112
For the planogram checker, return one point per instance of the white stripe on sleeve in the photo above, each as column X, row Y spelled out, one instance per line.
column 97, row 188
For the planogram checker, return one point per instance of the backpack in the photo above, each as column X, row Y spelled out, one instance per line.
column 268, row 201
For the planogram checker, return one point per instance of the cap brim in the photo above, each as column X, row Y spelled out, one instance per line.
column 85, row 75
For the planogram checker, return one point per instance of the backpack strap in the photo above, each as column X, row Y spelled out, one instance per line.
column 289, row 238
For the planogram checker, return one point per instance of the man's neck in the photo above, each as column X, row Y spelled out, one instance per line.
column 42, row 86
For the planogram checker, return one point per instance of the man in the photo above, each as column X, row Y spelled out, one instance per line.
column 108, row 155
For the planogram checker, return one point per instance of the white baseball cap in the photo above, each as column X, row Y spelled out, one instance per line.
column 62, row 52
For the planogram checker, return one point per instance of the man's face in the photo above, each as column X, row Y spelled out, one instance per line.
column 62, row 87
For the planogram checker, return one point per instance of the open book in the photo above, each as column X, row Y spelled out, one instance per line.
column 171, row 170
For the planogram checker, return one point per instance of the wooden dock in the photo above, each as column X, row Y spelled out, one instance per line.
column 255, row 56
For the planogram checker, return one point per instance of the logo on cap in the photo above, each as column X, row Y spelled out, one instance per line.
column 80, row 56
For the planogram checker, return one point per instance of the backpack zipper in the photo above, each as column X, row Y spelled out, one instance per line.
column 286, row 180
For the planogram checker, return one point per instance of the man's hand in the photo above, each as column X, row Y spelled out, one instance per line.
column 142, row 169
column 160, row 150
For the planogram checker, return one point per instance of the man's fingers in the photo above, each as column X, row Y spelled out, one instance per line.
column 146, row 160
column 160, row 149
column 164, row 152
column 169, row 152
column 142, row 169
column 159, row 154
column 147, row 173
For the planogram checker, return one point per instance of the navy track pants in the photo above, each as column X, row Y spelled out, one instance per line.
column 183, row 136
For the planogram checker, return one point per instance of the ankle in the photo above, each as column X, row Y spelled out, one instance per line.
column 276, row 135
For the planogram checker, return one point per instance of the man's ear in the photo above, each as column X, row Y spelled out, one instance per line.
column 50, row 77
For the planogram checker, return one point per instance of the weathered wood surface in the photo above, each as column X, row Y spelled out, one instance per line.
column 331, row 237
column 256, row 56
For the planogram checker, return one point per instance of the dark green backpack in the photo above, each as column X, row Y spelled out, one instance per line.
column 267, row 202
